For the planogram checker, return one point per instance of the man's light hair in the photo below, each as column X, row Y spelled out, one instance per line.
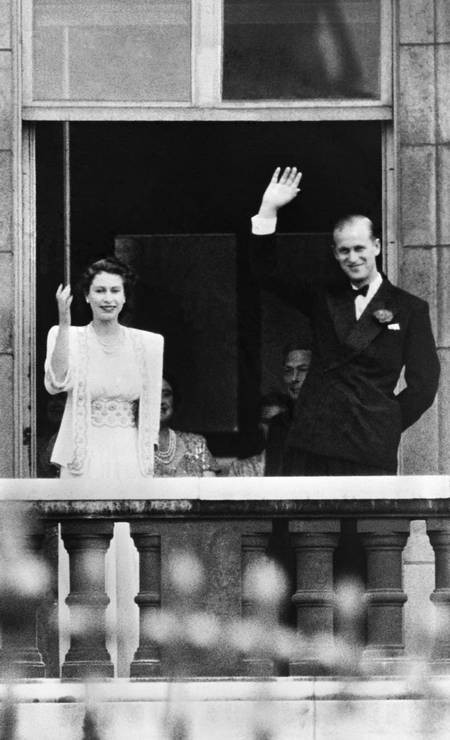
column 350, row 221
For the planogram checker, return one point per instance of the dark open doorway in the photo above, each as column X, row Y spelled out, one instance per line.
column 204, row 179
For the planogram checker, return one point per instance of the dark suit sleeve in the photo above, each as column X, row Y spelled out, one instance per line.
column 276, row 439
column 421, row 368
column 291, row 289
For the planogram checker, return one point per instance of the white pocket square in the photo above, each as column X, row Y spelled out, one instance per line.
column 394, row 327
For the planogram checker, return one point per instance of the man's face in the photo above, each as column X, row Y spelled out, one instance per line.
column 356, row 251
column 296, row 365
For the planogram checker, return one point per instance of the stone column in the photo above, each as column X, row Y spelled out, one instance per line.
column 423, row 209
column 254, row 547
column 439, row 534
column 383, row 541
column 147, row 659
column 11, row 376
column 86, row 541
column 19, row 654
column 314, row 542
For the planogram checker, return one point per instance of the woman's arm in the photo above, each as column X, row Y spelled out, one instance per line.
column 57, row 363
column 60, row 358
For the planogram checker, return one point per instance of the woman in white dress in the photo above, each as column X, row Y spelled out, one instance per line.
column 112, row 376
column 110, row 373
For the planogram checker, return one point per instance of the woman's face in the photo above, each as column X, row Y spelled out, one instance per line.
column 106, row 296
column 167, row 408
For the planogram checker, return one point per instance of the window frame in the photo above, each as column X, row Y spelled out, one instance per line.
column 207, row 28
column 205, row 105
column 25, row 345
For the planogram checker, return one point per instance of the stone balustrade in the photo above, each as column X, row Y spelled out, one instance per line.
column 230, row 526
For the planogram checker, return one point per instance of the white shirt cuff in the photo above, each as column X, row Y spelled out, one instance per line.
column 262, row 225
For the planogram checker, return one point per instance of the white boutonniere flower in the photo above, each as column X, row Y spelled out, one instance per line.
column 383, row 316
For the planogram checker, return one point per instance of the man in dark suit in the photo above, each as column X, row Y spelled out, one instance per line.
column 347, row 419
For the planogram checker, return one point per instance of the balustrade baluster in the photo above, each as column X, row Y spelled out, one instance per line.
column 314, row 542
column 19, row 653
column 147, row 659
column 439, row 534
column 254, row 547
column 86, row 541
column 383, row 541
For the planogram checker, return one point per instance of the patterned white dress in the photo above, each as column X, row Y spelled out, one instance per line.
column 111, row 420
column 115, row 386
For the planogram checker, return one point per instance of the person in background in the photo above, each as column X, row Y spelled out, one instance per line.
column 296, row 362
column 180, row 453
column 271, row 406
column 276, row 416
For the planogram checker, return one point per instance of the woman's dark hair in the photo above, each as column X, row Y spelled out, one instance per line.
column 114, row 267
column 176, row 395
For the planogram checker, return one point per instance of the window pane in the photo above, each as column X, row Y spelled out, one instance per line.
column 115, row 50
column 290, row 49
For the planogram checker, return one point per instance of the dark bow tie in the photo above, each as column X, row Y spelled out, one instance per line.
column 360, row 291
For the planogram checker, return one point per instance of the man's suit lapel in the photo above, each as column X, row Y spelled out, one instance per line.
column 342, row 310
column 368, row 327
column 354, row 335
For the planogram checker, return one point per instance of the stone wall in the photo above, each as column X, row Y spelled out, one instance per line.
column 282, row 710
column 423, row 130
column 6, row 240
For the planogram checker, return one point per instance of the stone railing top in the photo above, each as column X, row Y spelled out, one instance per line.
column 373, row 488
column 226, row 689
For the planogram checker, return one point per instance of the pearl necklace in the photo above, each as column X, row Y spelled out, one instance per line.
column 166, row 457
column 109, row 347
